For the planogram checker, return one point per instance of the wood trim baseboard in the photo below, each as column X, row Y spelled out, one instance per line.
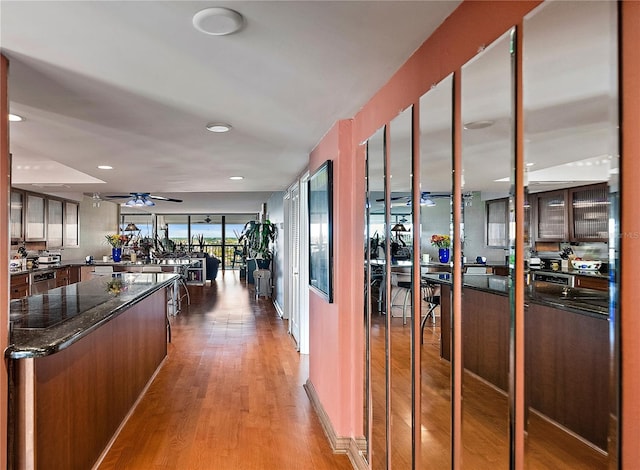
column 339, row 445
column 355, row 448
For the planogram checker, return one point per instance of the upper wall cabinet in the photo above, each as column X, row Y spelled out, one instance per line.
column 579, row 214
column 54, row 223
column 38, row 218
column 71, row 224
column 35, row 218
column 17, row 216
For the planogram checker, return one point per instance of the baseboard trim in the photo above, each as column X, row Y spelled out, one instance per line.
column 355, row 448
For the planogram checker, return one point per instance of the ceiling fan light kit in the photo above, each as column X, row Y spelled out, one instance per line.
column 142, row 199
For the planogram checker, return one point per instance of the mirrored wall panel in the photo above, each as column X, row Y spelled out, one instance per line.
column 487, row 152
column 375, row 301
column 435, row 235
column 400, row 236
column 571, row 150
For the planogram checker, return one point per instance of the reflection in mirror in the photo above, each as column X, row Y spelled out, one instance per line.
column 435, row 218
column 400, row 236
column 570, row 96
column 375, row 301
column 487, row 143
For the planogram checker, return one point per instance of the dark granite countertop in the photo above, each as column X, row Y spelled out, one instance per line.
column 574, row 272
column 43, row 324
column 584, row 301
column 63, row 264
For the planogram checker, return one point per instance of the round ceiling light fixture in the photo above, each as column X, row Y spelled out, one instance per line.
column 236, row 178
column 479, row 124
column 218, row 21
column 15, row 118
column 218, row 127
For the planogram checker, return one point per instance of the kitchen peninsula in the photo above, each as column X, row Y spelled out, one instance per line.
column 566, row 345
column 79, row 358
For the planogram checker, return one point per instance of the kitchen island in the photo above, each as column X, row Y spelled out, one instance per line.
column 566, row 348
column 79, row 358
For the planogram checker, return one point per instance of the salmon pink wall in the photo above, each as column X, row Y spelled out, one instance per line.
column 336, row 330
column 336, row 349
column 472, row 25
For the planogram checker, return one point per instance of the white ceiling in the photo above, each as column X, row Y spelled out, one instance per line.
column 132, row 84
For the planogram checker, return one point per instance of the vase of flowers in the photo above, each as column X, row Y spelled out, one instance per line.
column 443, row 242
column 116, row 241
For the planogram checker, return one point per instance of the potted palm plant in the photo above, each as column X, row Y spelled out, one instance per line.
column 257, row 238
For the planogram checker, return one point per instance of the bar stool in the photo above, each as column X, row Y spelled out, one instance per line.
column 401, row 285
column 431, row 295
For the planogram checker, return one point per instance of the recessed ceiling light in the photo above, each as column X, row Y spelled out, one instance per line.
column 479, row 124
column 218, row 21
column 15, row 118
column 530, row 164
column 218, row 127
column 236, row 177
column 105, row 167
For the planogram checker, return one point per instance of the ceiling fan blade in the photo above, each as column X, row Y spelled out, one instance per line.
column 162, row 198
column 394, row 198
column 118, row 196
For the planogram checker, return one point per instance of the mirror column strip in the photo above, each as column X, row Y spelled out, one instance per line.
column 416, row 302
column 517, row 402
column 456, row 376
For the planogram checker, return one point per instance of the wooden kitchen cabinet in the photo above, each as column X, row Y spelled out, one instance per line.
column 551, row 216
column 74, row 274
column 17, row 216
column 71, row 224
column 589, row 282
column 19, row 286
column 35, row 229
column 589, row 219
column 54, row 223
column 62, row 277
column 578, row 214
column 567, row 370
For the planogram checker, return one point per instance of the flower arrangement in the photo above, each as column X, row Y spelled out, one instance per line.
column 116, row 240
column 115, row 286
column 441, row 241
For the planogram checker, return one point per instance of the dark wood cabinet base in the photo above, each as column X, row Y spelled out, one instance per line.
column 67, row 406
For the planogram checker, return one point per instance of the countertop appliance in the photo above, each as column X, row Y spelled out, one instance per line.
column 560, row 279
column 42, row 281
column 49, row 259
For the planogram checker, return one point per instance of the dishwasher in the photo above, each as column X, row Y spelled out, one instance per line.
column 42, row 281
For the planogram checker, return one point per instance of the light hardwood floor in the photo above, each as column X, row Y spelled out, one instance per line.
column 229, row 396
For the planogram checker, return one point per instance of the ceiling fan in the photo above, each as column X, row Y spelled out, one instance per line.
column 142, row 199
column 206, row 220
column 426, row 198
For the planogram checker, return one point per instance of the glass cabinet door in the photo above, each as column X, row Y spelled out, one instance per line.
column 551, row 216
column 590, row 213
column 54, row 223
column 17, row 208
column 35, row 228
column 71, row 224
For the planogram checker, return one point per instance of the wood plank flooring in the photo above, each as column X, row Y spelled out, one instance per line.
column 229, row 396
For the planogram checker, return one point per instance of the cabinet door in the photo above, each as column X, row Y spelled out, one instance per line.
column 35, row 226
column 551, row 216
column 17, row 212
column 71, row 219
column 54, row 223
column 62, row 277
column 19, row 286
column 590, row 213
